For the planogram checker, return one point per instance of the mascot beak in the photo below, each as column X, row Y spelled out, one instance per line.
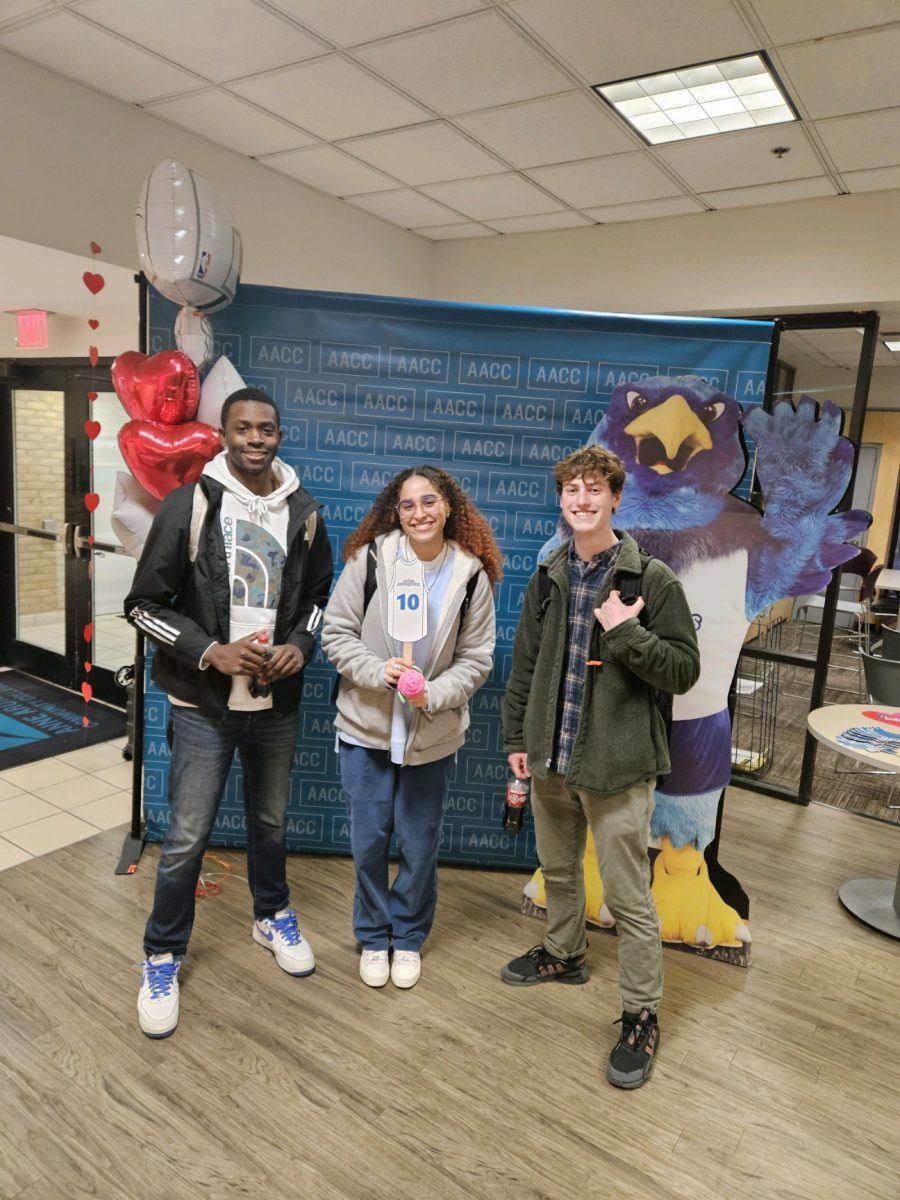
column 667, row 437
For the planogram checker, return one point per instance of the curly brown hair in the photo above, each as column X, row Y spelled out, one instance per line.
column 592, row 461
column 465, row 524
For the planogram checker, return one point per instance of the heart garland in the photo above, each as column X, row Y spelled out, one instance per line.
column 95, row 283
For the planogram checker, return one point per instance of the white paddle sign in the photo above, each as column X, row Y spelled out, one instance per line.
column 407, row 604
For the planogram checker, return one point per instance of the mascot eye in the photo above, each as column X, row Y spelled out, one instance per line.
column 711, row 412
column 636, row 402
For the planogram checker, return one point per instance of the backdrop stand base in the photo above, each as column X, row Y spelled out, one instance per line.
column 130, row 856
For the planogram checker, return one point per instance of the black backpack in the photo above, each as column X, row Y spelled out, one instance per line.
column 629, row 588
column 371, row 583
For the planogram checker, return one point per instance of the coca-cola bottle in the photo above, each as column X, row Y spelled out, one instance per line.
column 257, row 689
column 515, row 805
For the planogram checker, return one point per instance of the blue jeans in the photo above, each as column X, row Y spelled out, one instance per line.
column 202, row 751
column 385, row 799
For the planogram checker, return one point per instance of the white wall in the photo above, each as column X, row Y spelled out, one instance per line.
column 73, row 162
column 837, row 252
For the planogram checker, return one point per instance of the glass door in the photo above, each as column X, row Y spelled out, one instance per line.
column 63, row 572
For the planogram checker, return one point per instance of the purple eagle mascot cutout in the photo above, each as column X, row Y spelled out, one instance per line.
column 680, row 441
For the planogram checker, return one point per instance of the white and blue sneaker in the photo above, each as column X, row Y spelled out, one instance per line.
column 157, row 1002
column 280, row 934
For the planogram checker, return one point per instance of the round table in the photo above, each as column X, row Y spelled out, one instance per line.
column 874, row 901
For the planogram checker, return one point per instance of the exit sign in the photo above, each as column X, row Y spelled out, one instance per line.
column 31, row 329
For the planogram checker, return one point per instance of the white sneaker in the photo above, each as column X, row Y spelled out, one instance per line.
column 281, row 935
column 157, row 1002
column 406, row 968
column 373, row 968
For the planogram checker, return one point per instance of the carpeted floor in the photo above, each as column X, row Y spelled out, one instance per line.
column 38, row 720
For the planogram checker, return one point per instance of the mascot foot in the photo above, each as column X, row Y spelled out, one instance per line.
column 690, row 909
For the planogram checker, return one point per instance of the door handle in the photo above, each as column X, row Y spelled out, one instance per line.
column 75, row 540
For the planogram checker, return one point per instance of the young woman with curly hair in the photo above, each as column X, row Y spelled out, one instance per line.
column 396, row 753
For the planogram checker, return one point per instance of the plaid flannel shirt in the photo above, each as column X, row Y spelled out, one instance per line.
column 585, row 580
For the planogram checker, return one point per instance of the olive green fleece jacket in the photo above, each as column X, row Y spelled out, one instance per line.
column 621, row 736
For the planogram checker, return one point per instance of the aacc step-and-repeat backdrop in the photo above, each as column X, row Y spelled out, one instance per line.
column 369, row 385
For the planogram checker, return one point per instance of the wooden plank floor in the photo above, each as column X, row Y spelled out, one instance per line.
column 778, row 1081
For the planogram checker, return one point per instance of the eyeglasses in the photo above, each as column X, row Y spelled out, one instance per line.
column 406, row 508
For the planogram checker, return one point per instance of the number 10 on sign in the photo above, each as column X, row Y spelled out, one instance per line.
column 408, row 608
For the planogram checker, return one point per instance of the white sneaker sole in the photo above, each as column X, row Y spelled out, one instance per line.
column 405, row 981
column 157, row 1027
column 375, row 979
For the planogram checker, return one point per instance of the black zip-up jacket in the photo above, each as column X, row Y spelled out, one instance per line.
column 184, row 606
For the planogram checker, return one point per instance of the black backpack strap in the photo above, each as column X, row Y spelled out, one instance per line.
column 467, row 598
column 628, row 585
column 371, row 582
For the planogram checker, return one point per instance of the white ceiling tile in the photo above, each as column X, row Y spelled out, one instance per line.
column 425, row 154
column 329, row 170
column 731, row 160
column 882, row 180
column 495, row 196
column 473, row 63
column 607, row 42
column 846, row 74
column 231, row 122
column 446, row 233
column 353, row 21
column 674, row 206
column 13, row 10
column 332, row 98
column 553, row 130
column 405, row 207
column 219, row 39
column 869, row 140
column 79, row 50
column 803, row 20
column 771, row 193
column 565, row 219
column 617, row 179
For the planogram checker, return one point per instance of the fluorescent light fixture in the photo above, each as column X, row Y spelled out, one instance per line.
column 892, row 341
column 716, row 97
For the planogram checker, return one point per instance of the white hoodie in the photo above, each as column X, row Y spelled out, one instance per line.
column 255, row 532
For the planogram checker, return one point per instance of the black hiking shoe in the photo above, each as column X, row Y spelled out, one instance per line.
column 540, row 966
column 631, row 1059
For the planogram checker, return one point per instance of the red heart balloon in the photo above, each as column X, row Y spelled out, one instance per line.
column 93, row 355
column 162, row 457
column 92, row 395
column 91, row 501
column 88, row 666
column 163, row 388
column 93, row 322
column 89, row 631
column 93, row 282
column 95, row 249
column 92, row 429
column 87, row 691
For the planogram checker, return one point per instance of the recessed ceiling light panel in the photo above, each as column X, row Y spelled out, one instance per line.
column 718, row 97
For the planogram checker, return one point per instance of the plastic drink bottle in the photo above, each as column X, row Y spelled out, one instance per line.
column 257, row 689
column 516, row 803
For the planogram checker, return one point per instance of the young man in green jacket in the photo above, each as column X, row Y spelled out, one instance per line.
column 581, row 718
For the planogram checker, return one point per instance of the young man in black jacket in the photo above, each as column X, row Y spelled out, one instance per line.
column 230, row 587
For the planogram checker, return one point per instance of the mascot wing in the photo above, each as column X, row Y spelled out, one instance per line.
column 803, row 466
